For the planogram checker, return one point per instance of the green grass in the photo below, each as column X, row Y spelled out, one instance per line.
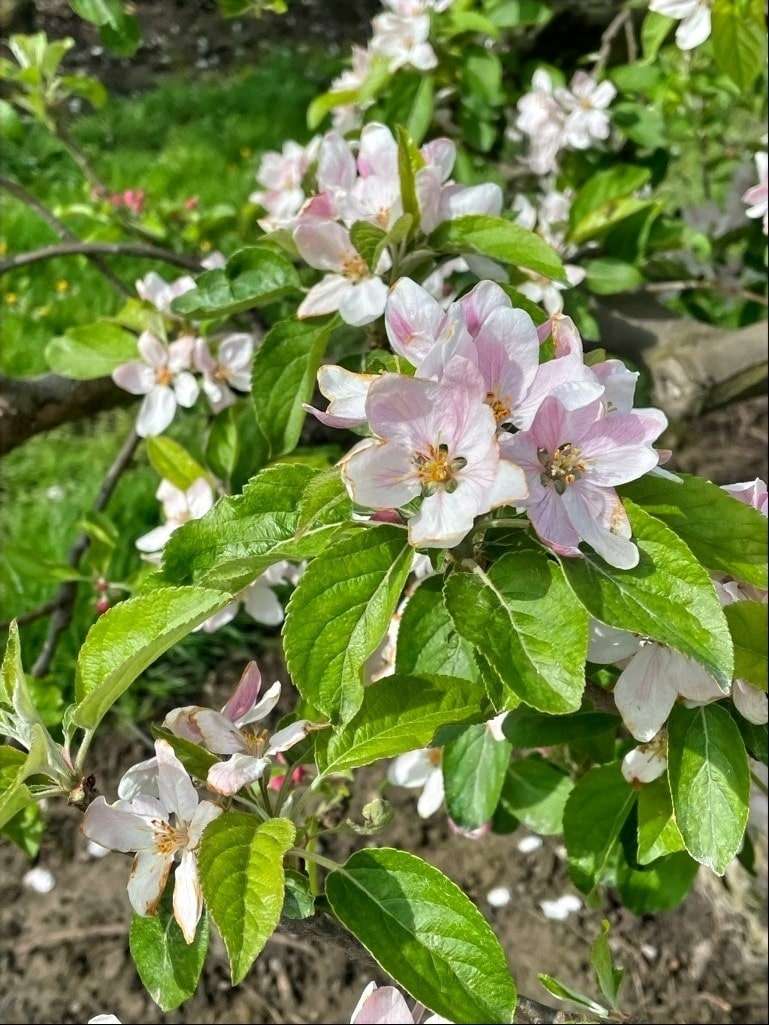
column 181, row 139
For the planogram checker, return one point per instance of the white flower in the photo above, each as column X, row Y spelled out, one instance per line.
column 694, row 16
column 230, row 369
column 163, row 377
column 258, row 599
column 385, row 1005
column 541, row 118
column 529, row 844
column 232, row 732
column 161, row 293
column 178, row 507
column 420, row 770
column 280, row 174
column 159, row 829
column 585, row 103
column 404, row 41
column 647, row 762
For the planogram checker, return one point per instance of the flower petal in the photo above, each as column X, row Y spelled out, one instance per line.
column 431, row 797
column 135, row 377
column 237, row 772
column 156, row 411
column 646, row 691
column 117, row 827
column 411, row 769
column 364, row 302
column 245, row 695
column 263, row 707
column 325, row 297
column 188, row 897
column 177, row 793
column 149, row 874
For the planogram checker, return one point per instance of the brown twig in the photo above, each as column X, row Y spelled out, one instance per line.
column 67, row 593
column 139, row 249
column 60, row 229
column 30, row 617
column 613, row 29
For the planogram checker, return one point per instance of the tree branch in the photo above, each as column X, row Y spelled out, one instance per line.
column 89, row 249
column 67, row 593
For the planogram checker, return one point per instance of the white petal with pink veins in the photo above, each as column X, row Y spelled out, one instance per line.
column 262, row 708
column 325, row 245
column 382, row 1005
column 599, row 518
column 443, row 519
column 218, row 733
column 412, row 320
column 381, row 475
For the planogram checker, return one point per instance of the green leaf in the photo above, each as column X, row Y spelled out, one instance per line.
column 168, row 966
column 324, row 501
column 668, row 597
column 236, row 448
column 660, row 887
column 409, row 162
column 25, row 829
column 241, row 872
column 124, row 641
column 755, row 738
column 14, row 794
column 474, row 765
column 726, row 536
column 593, row 819
column 747, row 624
column 561, row 991
column 340, row 612
column 500, row 240
column 524, row 619
column 88, row 88
column 425, row 933
column 526, row 728
column 602, row 960
column 283, row 379
column 421, row 113
column 255, row 276
column 98, row 12
column 654, row 31
column 739, row 40
column 427, row 639
column 93, row 350
column 398, row 714
column 326, row 102
column 298, row 901
column 369, row 240
column 709, row 782
column 243, row 535
column 607, row 276
column 536, row 792
column 658, row 834
column 171, row 461
column 518, row 13
column 605, row 199
column 195, row 759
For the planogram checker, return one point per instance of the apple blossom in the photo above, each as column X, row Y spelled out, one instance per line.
column 258, row 599
column 757, row 197
column 585, row 103
column 385, row 1005
column 163, row 377
column 541, row 118
column 404, row 40
column 346, row 392
column 437, row 440
column 647, row 762
column 573, row 459
column 420, row 770
column 752, row 492
column 693, row 15
column 227, row 373
column 232, row 731
column 178, row 507
column 280, row 174
column 347, row 116
column 158, row 829
column 161, row 293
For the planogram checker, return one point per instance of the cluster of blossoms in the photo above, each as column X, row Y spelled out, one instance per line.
column 159, row 815
column 559, row 118
column 179, row 507
column 693, row 17
column 400, row 39
column 484, row 423
column 655, row 677
column 165, row 373
column 365, row 186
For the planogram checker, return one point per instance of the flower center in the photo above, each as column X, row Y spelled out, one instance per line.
column 354, row 267
column 168, row 838
column 255, row 740
column 562, row 467
column 499, row 407
column 221, row 373
column 383, row 217
column 434, row 755
column 437, row 470
column 163, row 375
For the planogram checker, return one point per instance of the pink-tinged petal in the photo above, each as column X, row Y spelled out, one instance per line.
column 177, row 793
column 325, row 245
column 263, row 707
column 262, row 604
column 566, row 379
column 444, row 519
column 608, row 645
column 383, row 1006
column 508, row 354
column 440, row 154
column 186, row 389
column 428, row 190
column 463, row 200
column 188, row 897
column 410, row 770
column 381, row 475
column 364, row 302
column 646, row 691
column 205, row 814
column 346, row 392
column 182, row 723
column 550, row 520
column 750, row 702
column 336, row 164
column 752, row 492
column 398, row 408
column 202, row 358
column 200, row 498
column 155, row 540
column 152, row 350
column 149, row 875
column 152, row 288
column 599, row 517
column 237, row 772
column 644, row 764
column 479, row 303
column 288, row 737
column 218, row 733
column 554, row 424
column 615, row 451
column 117, row 828
column 245, row 695
column 376, row 199
column 431, row 797
column 619, row 384
column 412, row 320
column 156, row 411
column 141, row 780
column 136, row 378
column 325, row 297
column 362, row 1000
column 378, row 152
column 322, row 207
column 509, row 487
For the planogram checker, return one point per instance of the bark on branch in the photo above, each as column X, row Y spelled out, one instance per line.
column 90, row 249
